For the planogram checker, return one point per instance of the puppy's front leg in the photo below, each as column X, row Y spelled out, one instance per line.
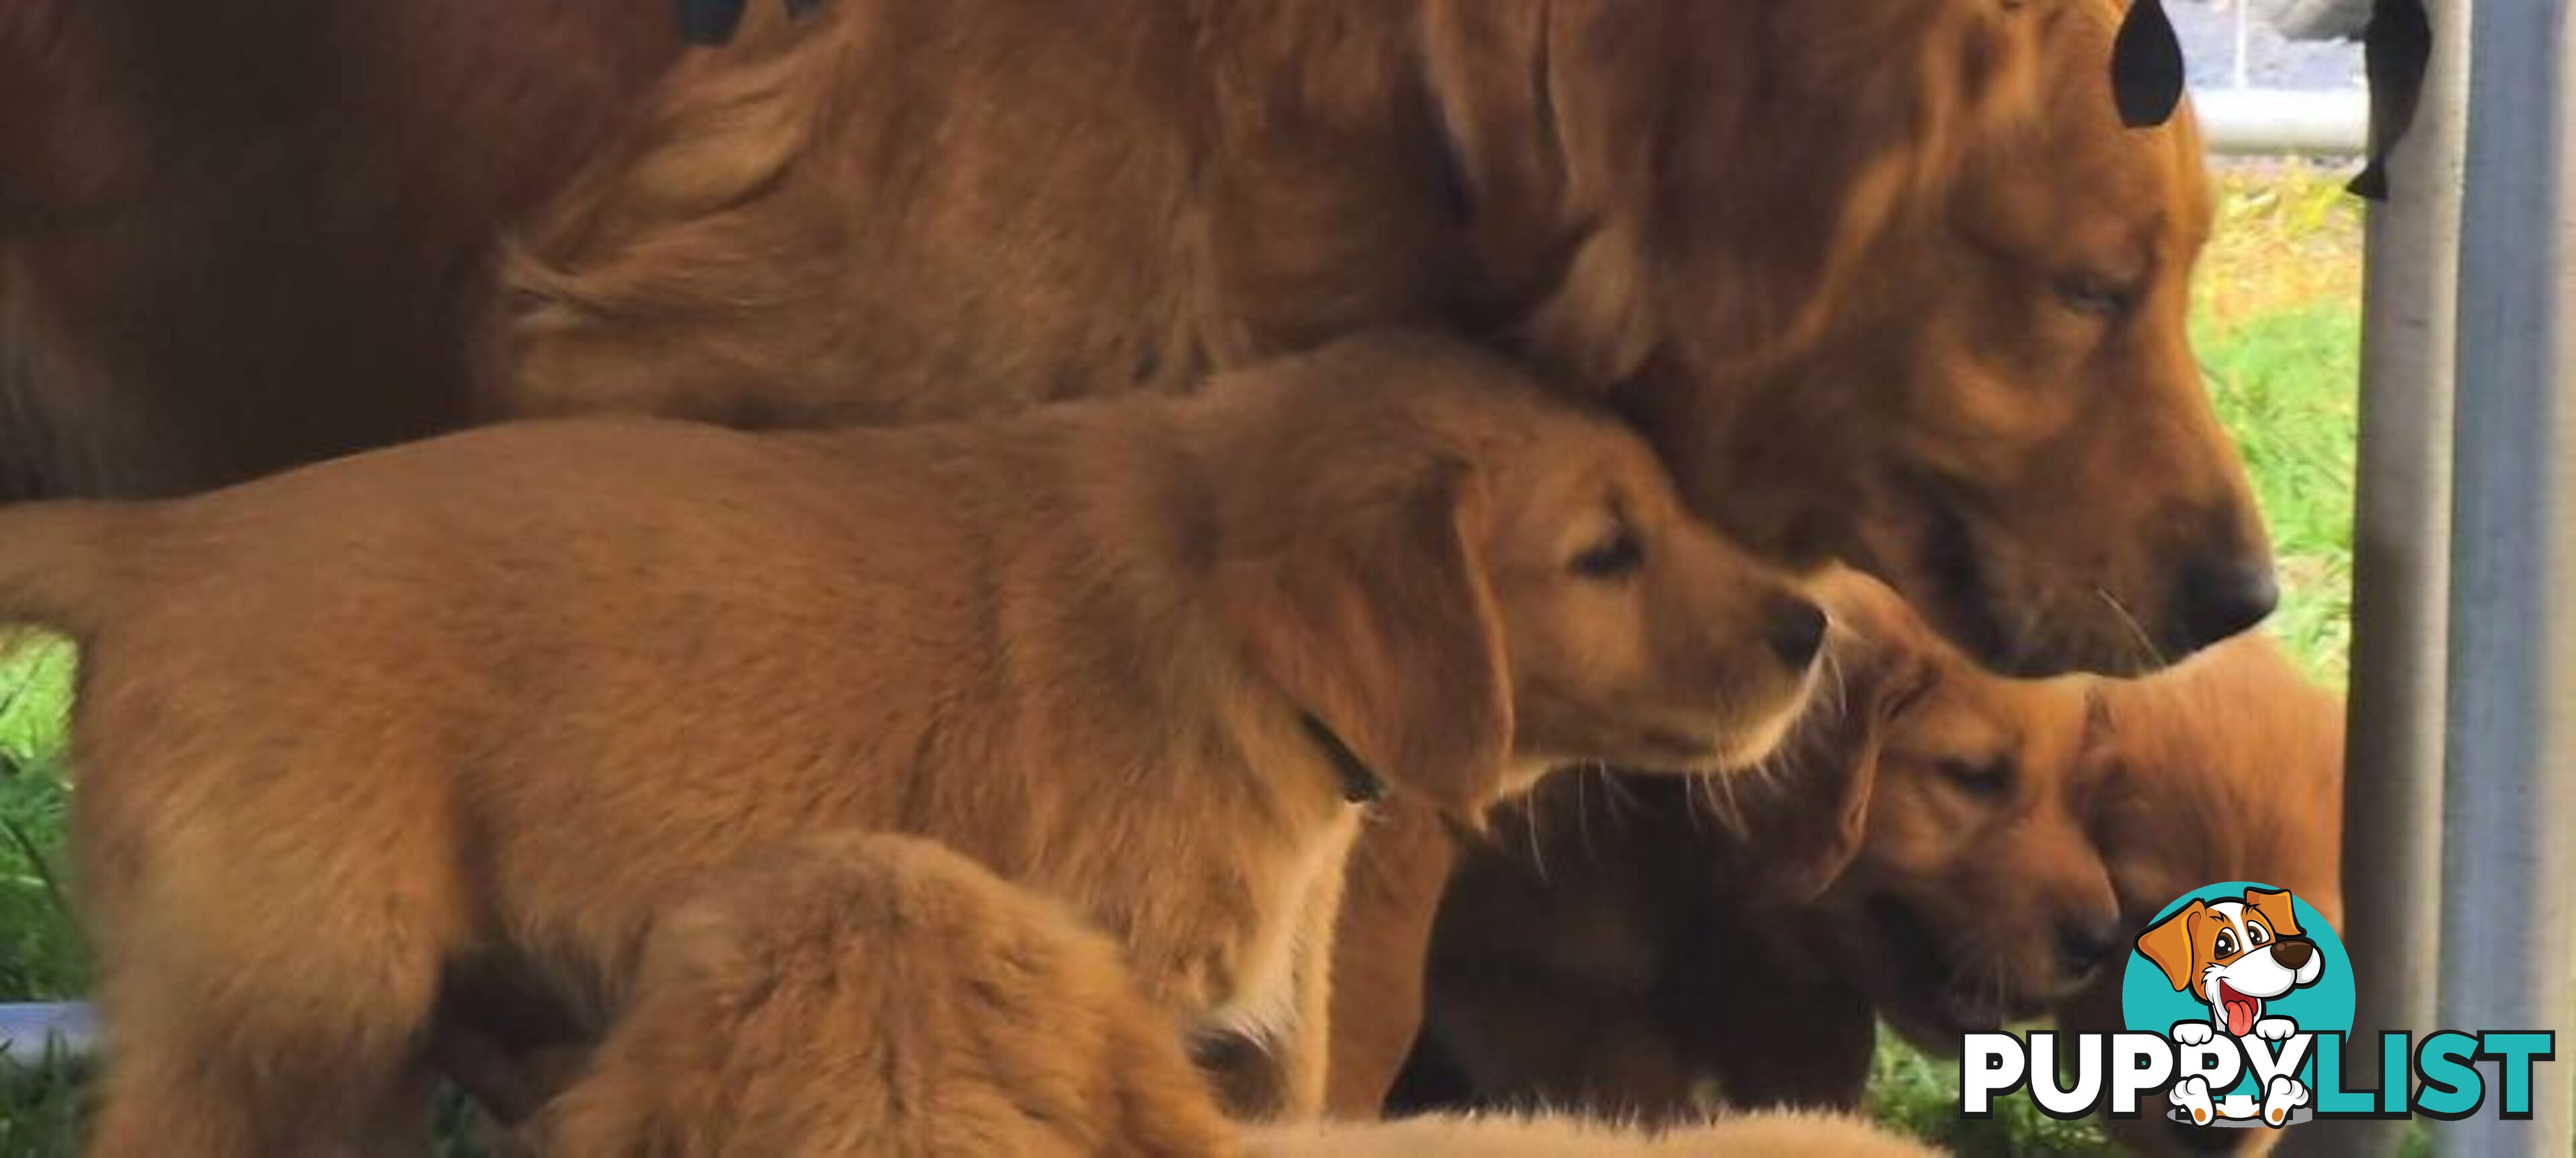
column 1305, row 1049
column 1282, row 1078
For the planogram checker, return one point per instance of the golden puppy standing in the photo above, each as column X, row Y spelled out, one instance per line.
column 486, row 705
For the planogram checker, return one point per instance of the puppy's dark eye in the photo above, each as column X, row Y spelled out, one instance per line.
column 2254, row 934
column 2089, row 293
column 1618, row 554
column 1981, row 778
column 2226, row 944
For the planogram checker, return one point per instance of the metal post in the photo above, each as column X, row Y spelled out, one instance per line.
column 2392, row 790
column 2506, row 954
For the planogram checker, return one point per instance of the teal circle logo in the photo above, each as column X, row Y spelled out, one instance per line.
column 2236, row 938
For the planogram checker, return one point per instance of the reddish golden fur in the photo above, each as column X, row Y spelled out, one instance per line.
column 1943, row 338
column 882, row 995
column 1617, row 951
column 234, row 238
column 484, row 705
column 2228, row 768
column 1745, row 1136
column 876, row 995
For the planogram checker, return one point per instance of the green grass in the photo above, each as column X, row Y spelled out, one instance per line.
column 2277, row 322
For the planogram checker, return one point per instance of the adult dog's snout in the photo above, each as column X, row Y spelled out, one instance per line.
column 1794, row 629
column 2084, row 945
column 2221, row 596
column 2293, row 952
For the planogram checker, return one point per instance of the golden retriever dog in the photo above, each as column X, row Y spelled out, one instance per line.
column 2228, row 767
column 854, row 994
column 1587, row 962
column 234, row 238
column 1924, row 855
column 485, row 706
column 1943, row 339
column 881, row 995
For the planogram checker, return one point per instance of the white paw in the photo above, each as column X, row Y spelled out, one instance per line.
column 2275, row 1028
column 2192, row 1033
column 2192, row 1094
column 2278, row 1097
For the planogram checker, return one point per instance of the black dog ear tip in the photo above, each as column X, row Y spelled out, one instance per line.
column 2147, row 73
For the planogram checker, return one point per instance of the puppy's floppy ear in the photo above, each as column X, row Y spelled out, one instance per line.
column 2277, row 908
column 1882, row 665
column 2171, row 943
column 1378, row 621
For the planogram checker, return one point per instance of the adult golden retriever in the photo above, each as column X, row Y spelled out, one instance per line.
column 1942, row 337
column 485, row 705
column 1631, row 957
column 854, row 994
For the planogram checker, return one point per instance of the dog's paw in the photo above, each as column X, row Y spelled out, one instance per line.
column 2192, row 1033
column 2192, row 1094
column 2282, row 1094
column 2275, row 1028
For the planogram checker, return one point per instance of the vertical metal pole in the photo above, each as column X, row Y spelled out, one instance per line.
column 2507, row 957
column 2392, row 789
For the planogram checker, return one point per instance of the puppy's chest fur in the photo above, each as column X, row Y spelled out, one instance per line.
column 1253, row 989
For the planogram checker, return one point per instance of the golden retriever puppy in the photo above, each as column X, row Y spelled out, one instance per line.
column 1942, row 339
column 2228, row 767
column 1925, row 854
column 1750, row 1136
column 487, row 705
column 856, row 994
column 882, row 995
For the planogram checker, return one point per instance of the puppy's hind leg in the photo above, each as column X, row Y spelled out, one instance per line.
column 272, row 1004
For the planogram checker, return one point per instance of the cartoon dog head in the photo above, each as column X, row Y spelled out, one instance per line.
column 2234, row 955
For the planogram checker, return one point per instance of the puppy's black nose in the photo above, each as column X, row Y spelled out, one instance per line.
column 2221, row 596
column 1794, row 628
column 2083, row 945
column 2293, row 952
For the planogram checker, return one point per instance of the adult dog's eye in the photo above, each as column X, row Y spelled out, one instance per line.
column 2226, row 944
column 1618, row 554
column 1985, row 778
column 2090, row 293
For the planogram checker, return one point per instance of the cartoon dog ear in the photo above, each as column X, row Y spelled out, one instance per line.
column 2278, row 910
column 1375, row 618
column 2172, row 944
column 1878, row 649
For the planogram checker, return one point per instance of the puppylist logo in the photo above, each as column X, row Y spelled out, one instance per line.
column 2238, row 999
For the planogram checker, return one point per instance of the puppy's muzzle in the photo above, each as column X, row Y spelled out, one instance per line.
column 2293, row 952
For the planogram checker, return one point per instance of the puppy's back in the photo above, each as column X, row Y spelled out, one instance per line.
column 874, row 994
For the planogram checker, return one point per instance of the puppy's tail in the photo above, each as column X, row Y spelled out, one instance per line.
column 57, row 565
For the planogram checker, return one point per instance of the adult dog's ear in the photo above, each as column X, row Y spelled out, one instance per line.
column 1799, row 846
column 2171, row 942
column 2278, row 910
column 1376, row 619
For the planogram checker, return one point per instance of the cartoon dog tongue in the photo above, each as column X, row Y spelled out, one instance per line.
column 2241, row 1010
